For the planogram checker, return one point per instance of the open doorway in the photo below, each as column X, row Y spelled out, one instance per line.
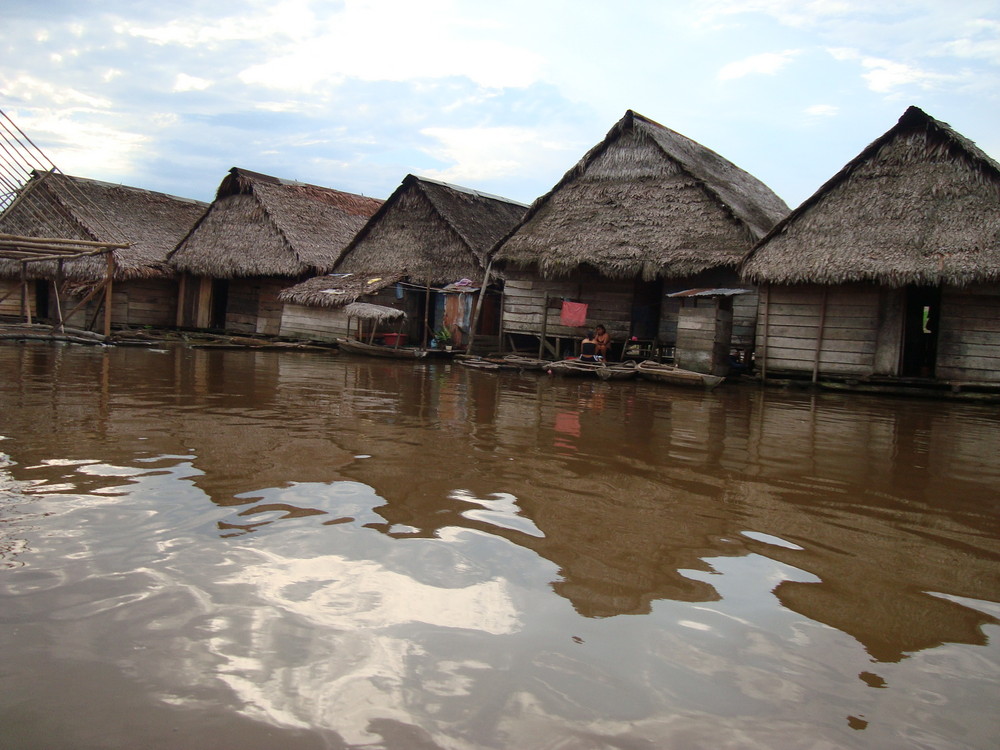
column 220, row 303
column 920, row 331
column 646, row 297
column 42, row 299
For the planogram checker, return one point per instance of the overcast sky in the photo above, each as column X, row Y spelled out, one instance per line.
column 500, row 96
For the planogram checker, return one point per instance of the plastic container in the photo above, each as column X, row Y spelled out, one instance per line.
column 392, row 339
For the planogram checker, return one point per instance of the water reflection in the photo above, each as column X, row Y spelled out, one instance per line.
column 384, row 503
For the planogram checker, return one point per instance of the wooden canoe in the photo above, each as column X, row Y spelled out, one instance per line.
column 662, row 373
column 602, row 370
column 377, row 350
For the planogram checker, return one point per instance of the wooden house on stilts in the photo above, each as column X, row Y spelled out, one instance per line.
column 423, row 252
column 142, row 227
column 260, row 235
column 645, row 213
column 890, row 272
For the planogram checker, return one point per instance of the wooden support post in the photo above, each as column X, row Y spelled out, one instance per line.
column 107, row 295
column 427, row 310
column 545, row 325
column 181, row 291
column 25, row 301
column 55, row 288
column 819, row 334
column 479, row 307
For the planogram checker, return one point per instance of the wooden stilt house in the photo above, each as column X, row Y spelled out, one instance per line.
column 260, row 235
column 646, row 212
column 145, row 225
column 423, row 252
column 891, row 270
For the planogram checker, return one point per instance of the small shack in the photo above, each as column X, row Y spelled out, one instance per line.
column 705, row 330
column 142, row 226
column 432, row 239
column 644, row 213
column 260, row 235
column 315, row 308
column 890, row 272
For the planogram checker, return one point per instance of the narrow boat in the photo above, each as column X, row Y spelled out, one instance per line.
column 378, row 350
column 602, row 370
column 618, row 370
column 477, row 363
column 517, row 361
column 673, row 375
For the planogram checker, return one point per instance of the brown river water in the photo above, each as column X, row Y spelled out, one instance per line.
column 255, row 549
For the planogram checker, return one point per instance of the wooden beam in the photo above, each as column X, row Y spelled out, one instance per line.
column 107, row 295
column 60, row 242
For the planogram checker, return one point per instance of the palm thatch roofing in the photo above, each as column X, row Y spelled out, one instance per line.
column 368, row 311
column 265, row 226
column 336, row 290
column 54, row 205
column 431, row 232
column 919, row 205
column 646, row 201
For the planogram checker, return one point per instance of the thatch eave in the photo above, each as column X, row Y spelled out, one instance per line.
column 644, row 198
column 333, row 291
column 919, row 205
column 260, row 225
column 430, row 232
column 148, row 223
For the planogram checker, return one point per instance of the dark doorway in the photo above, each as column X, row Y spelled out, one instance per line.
column 646, row 296
column 220, row 303
column 920, row 331
column 42, row 299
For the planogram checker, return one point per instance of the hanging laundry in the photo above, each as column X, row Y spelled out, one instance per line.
column 574, row 314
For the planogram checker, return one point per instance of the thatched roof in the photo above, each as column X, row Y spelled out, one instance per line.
column 431, row 232
column 265, row 226
column 646, row 201
column 55, row 205
column 373, row 312
column 920, row 205
column 336, row 290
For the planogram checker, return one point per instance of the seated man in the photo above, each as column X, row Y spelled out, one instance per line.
column 588, row 349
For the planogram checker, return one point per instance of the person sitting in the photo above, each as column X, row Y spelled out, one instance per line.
column 588, row 349
column 603, row 340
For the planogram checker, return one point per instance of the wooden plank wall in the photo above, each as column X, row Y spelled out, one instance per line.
column 241, row 309
column 609, row 302
column 269, row 307
column 704, row 335
column 969, row 335
column 144, row 302
column 313, row 323
column 744, row 320
column 11, row 306
column 253, row 306
column 790, row 319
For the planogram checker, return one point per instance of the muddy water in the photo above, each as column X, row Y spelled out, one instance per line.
column 207, row 549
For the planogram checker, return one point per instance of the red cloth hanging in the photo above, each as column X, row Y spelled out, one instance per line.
column 574, row 314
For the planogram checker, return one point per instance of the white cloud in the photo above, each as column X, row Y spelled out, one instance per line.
column 794, row 13
column 885, row 76
column 360, row 44
column 30, row 89
column 767, row 63
column 982, row 42
column 822, row 110
column 184, row 82
column 489, row 153
column 83, row 144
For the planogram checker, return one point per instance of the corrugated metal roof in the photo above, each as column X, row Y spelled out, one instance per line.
column 710, row 293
